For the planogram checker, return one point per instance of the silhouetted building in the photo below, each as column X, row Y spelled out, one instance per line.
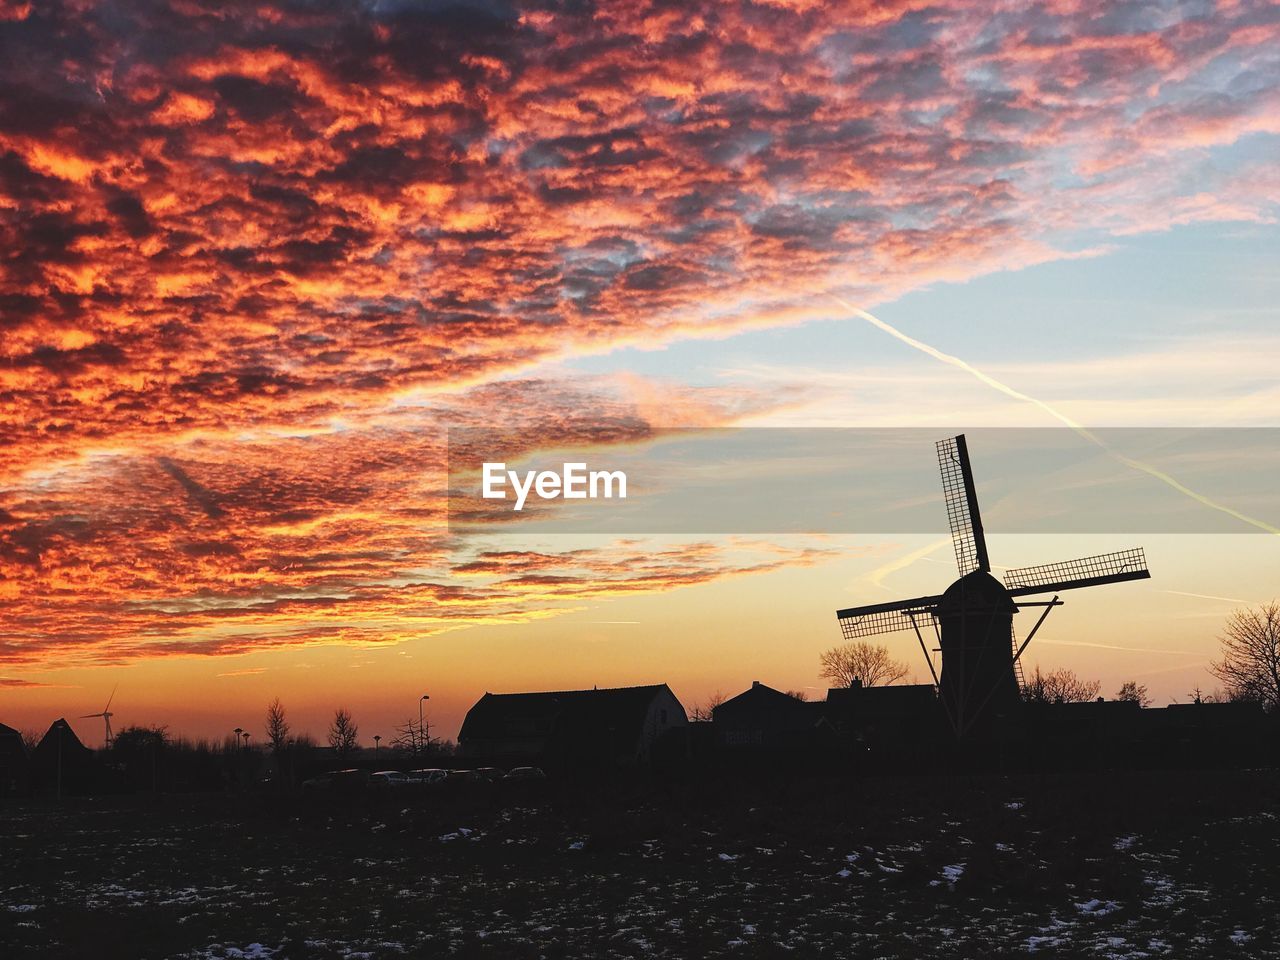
column 60, row 757
column 979, row 685
column 762, row 718
column 890, row 726
column 572, row 729
column 977, row 681
column 1209, row 734
column 15, row 769
column 892, row 712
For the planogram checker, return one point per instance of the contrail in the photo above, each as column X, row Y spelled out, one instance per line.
column 877, row 575
column 1207, row 596
column 1113, row 646
column 1079, row 428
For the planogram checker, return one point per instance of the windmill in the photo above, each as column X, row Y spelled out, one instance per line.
column 106, row 716
column 973, row 619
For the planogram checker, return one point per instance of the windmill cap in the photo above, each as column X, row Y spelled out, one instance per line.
column 977, row 591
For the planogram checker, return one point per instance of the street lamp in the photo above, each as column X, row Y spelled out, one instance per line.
column 237, row 731
column 376, row 741
column 422, row 730
column 246, row 739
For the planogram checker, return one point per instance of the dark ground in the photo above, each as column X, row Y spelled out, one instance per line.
column 1177, row 864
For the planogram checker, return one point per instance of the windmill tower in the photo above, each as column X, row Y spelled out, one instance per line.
column 106, row 716
column 973, row 619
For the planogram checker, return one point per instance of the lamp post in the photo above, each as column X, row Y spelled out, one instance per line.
column 422, row 730
column 246, row 739
column 60, row 729
column 376, row 741
column 237, row 765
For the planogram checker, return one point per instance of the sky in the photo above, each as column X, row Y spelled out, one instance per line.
column 257, row 259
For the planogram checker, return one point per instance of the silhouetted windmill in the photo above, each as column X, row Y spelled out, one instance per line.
column 106, row 716
column 973, row 619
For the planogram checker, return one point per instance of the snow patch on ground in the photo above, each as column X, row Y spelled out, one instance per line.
column 1097, row 908
column 254, row 951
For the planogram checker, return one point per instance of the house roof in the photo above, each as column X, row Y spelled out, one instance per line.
column 506, row 715
column 893, row 700
column 759, row 697
column 11, row 744
column 69, row 739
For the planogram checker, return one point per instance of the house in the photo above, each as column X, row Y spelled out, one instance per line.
column 763, row 718
column 15, row 771
column 896, row 719
column 1203, row 734
column 572, row 729
column 60, row 761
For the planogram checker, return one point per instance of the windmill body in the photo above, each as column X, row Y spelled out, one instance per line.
column 973, row 619
column 975, row 624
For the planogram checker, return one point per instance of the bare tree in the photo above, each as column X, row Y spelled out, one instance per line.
column 1250, row 664
column 1060, row 686
column 1132, row 691
column 798, row 694
column 868, row 664
column 416, row 737
column 277, row 727
column 343, row 732
column 702, row 711
column 409, row 736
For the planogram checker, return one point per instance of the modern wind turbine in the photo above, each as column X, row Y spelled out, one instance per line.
column 106, row 716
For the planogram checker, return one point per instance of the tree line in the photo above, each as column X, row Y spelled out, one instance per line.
column 1248, row 669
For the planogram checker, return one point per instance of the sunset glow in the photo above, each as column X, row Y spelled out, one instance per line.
column 252, row 274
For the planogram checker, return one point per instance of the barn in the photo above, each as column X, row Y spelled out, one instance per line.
column 572, row 729
column 15, row 767
column 61, row 762
column 763, row 718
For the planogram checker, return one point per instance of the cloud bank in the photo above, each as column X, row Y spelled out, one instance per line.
column 256, row 256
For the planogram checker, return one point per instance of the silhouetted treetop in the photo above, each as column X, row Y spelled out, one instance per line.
column 866, row 663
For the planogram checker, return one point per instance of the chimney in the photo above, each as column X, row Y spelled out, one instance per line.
column 754, row 684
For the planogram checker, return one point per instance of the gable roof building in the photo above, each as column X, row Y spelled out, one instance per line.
column 571, row 728
column 15, row 773
column 61, row 759
column 763, row 717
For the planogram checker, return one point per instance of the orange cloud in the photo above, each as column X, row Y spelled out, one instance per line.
column 250, row 274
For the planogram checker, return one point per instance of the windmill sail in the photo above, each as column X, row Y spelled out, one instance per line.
column 1113, row 567
column 981, row 678
column 962, row 506
column 877, row 618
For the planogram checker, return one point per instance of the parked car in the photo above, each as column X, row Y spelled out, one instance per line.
column 349, row 779
column 428, row 776
column 489, row 773
column 386, row 779
column 525, row 773
column 463, row 776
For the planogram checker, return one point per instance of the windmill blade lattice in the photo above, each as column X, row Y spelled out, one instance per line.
column 1114, row 567
column 962, row 506
column 875, row 619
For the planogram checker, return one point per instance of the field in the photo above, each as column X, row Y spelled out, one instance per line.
column 1181, row 865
